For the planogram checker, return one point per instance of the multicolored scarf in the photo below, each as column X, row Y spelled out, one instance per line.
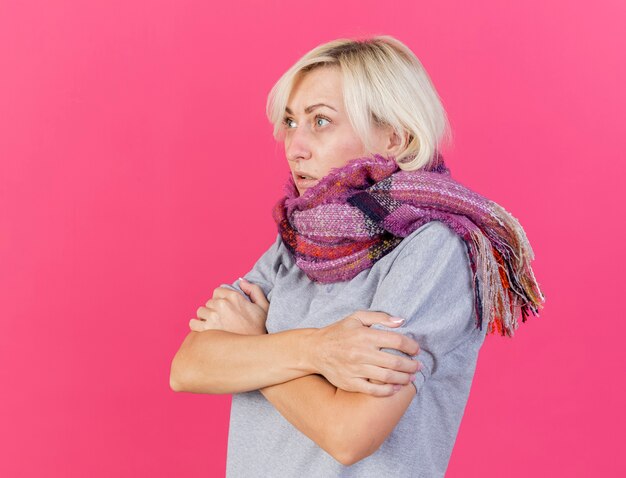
column 358, row 213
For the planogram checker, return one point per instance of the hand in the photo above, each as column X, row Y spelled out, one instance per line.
column 348, row 354
column 228, row 310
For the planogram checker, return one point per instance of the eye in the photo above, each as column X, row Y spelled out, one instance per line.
column 317, row 118
column 286, row 121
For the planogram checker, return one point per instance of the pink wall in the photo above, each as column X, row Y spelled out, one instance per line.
column 128, row 193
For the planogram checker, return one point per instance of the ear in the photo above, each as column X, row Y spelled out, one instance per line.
column 394, row 141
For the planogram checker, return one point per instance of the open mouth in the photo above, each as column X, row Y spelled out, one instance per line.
column 303, row 181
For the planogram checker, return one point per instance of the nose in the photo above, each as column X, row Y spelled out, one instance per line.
column 297, row 144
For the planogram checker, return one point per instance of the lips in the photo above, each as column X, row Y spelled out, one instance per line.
column 303, row 175
column 305, row 182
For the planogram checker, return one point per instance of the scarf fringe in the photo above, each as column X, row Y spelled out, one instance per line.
column 505, row 279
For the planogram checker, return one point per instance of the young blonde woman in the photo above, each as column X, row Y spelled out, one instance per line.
column 350, row 346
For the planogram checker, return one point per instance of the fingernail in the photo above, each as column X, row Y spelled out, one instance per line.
column 419, row 366
column 396, row 320
column 242, row 279
column 412, row 377
column 397, row 387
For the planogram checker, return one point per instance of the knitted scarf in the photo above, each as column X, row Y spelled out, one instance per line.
column 358, row 213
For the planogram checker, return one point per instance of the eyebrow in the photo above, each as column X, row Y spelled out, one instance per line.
column 308, row 109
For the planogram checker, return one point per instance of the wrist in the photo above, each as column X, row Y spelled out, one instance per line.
column 309, row 345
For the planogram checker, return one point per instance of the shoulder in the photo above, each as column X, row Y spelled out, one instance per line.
column 271, row 254
column 434, row 231
column 276, row 250
column 432, row 269
column 433, row 239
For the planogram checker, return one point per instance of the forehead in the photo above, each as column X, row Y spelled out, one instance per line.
column 322, row 85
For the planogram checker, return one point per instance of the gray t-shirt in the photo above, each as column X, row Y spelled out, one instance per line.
column 426, row 280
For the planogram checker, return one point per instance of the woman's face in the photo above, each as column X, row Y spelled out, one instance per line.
column 317, row 133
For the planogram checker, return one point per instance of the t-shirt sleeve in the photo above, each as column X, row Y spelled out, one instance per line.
column 430, row 286
column 264, row 271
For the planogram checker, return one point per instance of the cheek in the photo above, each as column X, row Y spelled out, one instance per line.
column 346, row 151
column 338, row 150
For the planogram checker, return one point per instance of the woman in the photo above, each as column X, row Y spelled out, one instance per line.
column 351, row 347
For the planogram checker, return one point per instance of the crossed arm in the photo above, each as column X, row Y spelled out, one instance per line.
column 348, row 425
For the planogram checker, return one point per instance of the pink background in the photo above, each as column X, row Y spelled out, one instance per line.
column 138, row 171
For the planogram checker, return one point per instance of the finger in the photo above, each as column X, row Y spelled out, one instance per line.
column 394, row 340
column 225, row 293
column 206, row 313
column 197, row 325
column 386, row 360
column 371, row 317
column 255, row 292
column 377, row 390
column 211, row 302
column 385, row 375
column 244, row 285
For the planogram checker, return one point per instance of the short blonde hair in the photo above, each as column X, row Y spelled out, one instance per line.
column 383, row 83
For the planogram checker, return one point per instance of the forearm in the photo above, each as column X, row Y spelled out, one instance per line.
column 216, row 361
column 347, row 425
column 307, row 403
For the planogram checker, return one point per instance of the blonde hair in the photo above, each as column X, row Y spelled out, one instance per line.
column 384, row 83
